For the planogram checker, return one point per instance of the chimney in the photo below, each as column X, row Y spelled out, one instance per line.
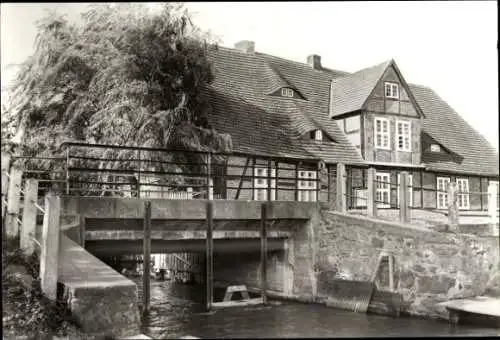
column 246, row 46
column 314, row 61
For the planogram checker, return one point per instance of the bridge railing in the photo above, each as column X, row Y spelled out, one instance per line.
column 108, row 170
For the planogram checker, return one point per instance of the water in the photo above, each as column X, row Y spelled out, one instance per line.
column 178, row 310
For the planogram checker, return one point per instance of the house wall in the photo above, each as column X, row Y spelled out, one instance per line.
column 285, row 187
column 390, row 156
column 377, row 105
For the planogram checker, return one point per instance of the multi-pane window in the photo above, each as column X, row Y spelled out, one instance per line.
column 307, row 186
column 410, row 189
column 435, row 148
column 382, row 134
column 392, row 90
column 442, row 193
column 316, row 134
column 463, row 193
column 286, row 92
column 383, row 190
column 260, row 184
column 403, row 135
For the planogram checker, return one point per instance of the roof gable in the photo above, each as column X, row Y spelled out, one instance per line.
column 350, row 93
column 398, row 106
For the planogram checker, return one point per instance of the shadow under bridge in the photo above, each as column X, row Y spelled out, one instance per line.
column 114, row 226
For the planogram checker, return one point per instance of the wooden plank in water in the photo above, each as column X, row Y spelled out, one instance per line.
column 350, row 295
column 232, row 289
column 249, row 302
column 385, row 303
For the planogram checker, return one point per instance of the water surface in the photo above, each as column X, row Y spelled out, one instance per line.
column 178, row 310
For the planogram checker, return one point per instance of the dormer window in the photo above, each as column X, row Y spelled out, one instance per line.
column 287, row 92
column 435, row 148
column 392, row 90
column 316, row 134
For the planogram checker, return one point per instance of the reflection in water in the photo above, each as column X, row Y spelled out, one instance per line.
column 178, row 310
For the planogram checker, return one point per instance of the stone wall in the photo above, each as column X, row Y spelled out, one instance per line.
column 429, row 267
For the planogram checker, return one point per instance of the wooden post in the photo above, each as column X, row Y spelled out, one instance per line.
column 269, row 167
column 371, row 194
column 6, row 158
column 297, row 182
column 11, row 223
column 341, row 187
column 50, row 246
column 209, row 257
column 67, row 170
column 318, row 182
column 329, row 184
column 403, row 197
column 147, row 258
column 139, row 174
column 492, row 207
column 263, row 252
column 391, row 272
column 210, row 184
column 452, row 206
column 28, row 229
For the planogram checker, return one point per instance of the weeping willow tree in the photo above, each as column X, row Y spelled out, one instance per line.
column 126, row 75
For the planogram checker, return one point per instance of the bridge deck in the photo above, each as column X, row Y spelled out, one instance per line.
column 482, row 305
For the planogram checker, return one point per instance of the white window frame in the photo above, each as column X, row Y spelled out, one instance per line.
column 410, row 189
column 318, row 135
column 406, row 139
column 440, row 194
column 383, row 188
column 260, row 184
column 393, row 90
column 384, row 136
column 463, row 199
column 307, row 180
column 286, row 92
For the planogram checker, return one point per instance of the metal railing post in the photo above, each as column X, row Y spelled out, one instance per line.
column 147, row 257
column 209, row 177
column 67, row 170
column 263, row 251
column 209, row 256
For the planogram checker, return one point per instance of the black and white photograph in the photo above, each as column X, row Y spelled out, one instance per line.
column 292, row 169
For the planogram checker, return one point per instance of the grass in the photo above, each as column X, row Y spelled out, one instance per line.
column 26, row 312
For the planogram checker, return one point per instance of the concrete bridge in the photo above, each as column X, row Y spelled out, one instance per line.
column 114, row 226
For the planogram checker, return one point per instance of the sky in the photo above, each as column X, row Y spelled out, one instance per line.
column 449, row 46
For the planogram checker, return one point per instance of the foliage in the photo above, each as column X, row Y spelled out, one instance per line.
column 26, row 312
column 124, row 76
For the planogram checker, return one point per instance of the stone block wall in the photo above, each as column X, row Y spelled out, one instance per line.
column 429, row 267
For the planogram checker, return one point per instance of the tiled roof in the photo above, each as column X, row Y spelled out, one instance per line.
column 271, row 125
column 350, row 92
column 449, row 129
